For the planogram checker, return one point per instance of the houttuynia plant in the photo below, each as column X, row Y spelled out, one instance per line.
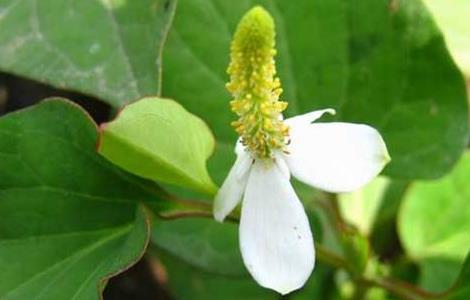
column 349, row 182
column 275, row 238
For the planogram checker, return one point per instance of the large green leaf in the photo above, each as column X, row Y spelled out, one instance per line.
column 158, row 139
column 434, row 225
column 68, row 218
column 378, row 62
column 106, row 48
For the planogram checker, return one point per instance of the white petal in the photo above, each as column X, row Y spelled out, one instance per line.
column 281, row 164
column 335, row 157
column 239, row 148
column 308, row 118
column 275, row 237
column 231, row 192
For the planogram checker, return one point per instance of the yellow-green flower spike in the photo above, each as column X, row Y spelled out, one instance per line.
column 254, row 86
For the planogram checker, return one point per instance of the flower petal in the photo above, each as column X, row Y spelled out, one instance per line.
column 335, row 157
column 239, row 147
column 275, row 237
column 231, row 192
column 281, row 164
column 308, row 118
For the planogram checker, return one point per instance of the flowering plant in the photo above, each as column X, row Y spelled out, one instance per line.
column 346, row 176
column 275, row 238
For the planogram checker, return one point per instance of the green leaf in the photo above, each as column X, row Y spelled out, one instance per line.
column 69, row 219
column 187, row 283
column 461, row 289
column 320, row 286
column 434, row 225
column 202, row 243
column 384, row 236
column 158, row 139
column 452, row 19
column 361, row 207
column 110, row 49
column 373, row 211
column 437, row 274
column 378, row 62
column 356, row 249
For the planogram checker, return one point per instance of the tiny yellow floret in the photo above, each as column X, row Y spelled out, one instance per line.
column 254, row 87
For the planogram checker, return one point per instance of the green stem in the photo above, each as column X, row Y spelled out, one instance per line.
column 403, row 289
column 186, row 208
column 326, row 256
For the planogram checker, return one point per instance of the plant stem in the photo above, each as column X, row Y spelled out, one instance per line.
column 330, row 258
column 186, row 208
column 402, row 289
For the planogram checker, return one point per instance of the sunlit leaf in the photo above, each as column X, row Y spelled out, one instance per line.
column 158, row 139
column 361, row 207
column 452, row 18
column 434, row 225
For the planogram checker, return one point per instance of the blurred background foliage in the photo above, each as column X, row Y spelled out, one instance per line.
column 384, row 63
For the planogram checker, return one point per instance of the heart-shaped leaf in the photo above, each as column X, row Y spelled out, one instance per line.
column 434, row 225
column 158, row 139
column 106, row 48
column 378, row 62
column 68, row 219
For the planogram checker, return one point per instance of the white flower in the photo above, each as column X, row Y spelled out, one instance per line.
column 275, row 237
